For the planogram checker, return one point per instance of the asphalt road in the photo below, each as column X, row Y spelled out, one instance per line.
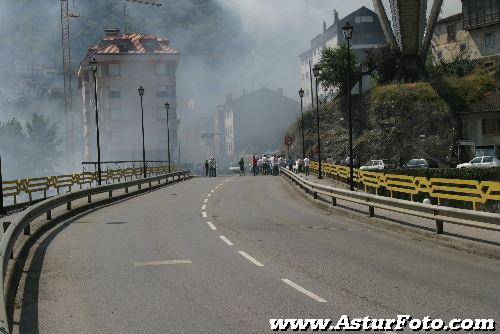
column 155, row 264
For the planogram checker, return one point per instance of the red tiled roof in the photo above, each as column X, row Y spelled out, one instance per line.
column 136, row 41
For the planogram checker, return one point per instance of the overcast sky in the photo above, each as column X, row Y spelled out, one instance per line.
column 282, row 29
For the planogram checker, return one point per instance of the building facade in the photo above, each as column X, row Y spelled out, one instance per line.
column 126, row 62
column 257, row 122
column 474, row 32
column 367, row 34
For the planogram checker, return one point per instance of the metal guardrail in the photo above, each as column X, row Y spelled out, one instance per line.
column 29, row 188
column 440, row 214
column 471, row 191
column 22, row 222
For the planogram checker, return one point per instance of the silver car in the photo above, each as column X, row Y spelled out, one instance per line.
column 481, row 162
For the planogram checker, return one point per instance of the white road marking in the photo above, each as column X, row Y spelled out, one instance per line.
column 205, row 200
column 226, row 240
column 203, row 207
column 251, row 259
column 213, row 190
column 304, row 291
column 217, row 187
column 212, row 226
column 159, row 263
column 209, row 195
column 204, row 214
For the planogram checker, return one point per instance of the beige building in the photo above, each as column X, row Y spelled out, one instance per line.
column 475, row 31
column 126, row 62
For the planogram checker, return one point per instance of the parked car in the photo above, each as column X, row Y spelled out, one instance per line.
column 233, row 168
column 421, row 163
column 481, row 162
column 376, row 165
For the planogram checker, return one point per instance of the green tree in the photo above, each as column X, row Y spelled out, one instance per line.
column 43, row 142
column 383, row 63
column 459, row 66
column 14, row 149
column 333, row 66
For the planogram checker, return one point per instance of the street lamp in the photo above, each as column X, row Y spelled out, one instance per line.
column 301, row 94
column 316, row 71
column 167, row 107
column 347, row 30
column 141, row 94
column 93, row 64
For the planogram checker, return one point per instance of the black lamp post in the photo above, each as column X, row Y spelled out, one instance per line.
column 141, row 94
column 301, row 94
column 347, row 30
column 167, row 107
column 94, row 67
column 316, row 71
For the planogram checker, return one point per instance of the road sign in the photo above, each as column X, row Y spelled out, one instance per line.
column 288, row 141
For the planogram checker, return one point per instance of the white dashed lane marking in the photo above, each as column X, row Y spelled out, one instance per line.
column 205, row 200
column 226, row 240
column 251, row 259
column 212, row 226
column 204, row 214
column 159, row 263
column 203, row 207
column 304, row 291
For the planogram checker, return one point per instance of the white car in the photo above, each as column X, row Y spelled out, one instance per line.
column 373, row 165
column 481, row 162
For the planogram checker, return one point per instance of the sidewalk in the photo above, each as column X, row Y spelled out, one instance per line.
column 462, row 237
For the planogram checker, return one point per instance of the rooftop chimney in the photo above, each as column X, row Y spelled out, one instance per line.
column 335, row 16
column 112, row 32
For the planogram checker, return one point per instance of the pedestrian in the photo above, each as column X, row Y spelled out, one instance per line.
column 211, row 167
column 254, row 165
column 259, row 166
column 274, row 165
column 215, row 167
column 242, row 166
column 290, row 163
column 206, row 168
column 307, row 166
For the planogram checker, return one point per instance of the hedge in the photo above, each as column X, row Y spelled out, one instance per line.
column 480, row 174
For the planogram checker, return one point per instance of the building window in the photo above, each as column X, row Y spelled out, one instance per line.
column 364, row 19
column 161, row 68
column 114, row 92
column 440, row 55
column 115, row 114
column 113, row 70
column 161, row 91
column 488, row 40
column 463, row 47
column 491, row 126
column 452, row 33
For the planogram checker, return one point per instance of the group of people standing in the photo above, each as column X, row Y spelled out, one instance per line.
column 267, row 165
column 211, row 167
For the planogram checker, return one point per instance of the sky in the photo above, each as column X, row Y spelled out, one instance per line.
column 282, row 29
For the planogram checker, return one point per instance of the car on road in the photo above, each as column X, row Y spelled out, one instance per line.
column 376, row 165
column 481, row 162
column 420, row 163
column 233, row 168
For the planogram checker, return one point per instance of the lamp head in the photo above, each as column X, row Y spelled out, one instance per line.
column 167, row 105
column 141, row 91
column 301, row 92
column 316, row 70
column 347, row 30
column 93, row 64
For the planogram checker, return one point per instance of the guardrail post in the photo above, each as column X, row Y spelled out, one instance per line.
column 110, row 193
column 371, row 211
column 439, row 227
column 315, row 195
column 334, row 201
column 27, row 229
column 49, row 214
column 139, row 186
column 126, row 190
column 89, row 198
column 68, row 205
column 5, row 227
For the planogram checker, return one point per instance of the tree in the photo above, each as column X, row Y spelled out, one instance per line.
column 43, row 142
column 459, row 66
column 333, row 66
column 383, row 63
column 14, row 149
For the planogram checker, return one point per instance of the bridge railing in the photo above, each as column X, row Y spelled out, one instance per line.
column 22, row 224
column 23, row 192
column 442, row 190
column 440, row 214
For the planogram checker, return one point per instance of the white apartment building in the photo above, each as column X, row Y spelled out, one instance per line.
column 126, row 62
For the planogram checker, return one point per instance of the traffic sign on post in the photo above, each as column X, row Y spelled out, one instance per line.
column 288, row 141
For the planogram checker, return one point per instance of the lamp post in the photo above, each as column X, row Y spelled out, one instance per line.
column 347, row 30
column 141, row 94
column 316, row 71
column 167, row 107
column 94, row 67
column 301, row 94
